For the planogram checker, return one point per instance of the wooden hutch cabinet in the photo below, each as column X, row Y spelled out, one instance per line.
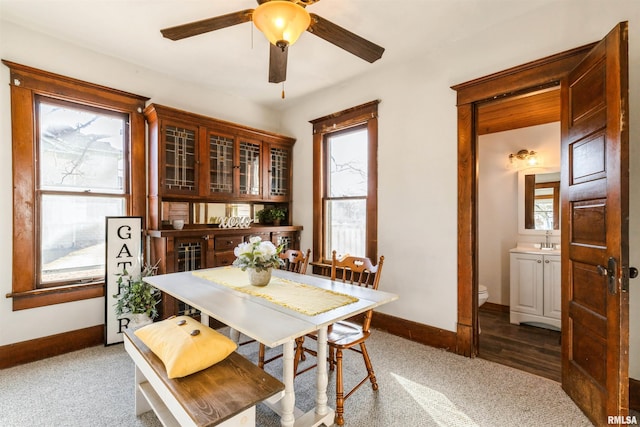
column 199, row 161
column 197, row 157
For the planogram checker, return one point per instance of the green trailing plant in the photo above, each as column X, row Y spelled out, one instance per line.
column 135, row 295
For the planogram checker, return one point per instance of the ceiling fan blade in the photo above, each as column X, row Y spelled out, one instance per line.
column 206, row 25
column 345, row 39
column 277, row 63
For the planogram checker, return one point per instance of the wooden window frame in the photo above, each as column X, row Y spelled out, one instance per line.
column 365, row 114
column 26, row 85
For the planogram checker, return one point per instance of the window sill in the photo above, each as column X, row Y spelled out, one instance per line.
column 59, row 295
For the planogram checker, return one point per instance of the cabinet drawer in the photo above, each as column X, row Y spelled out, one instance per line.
column 225, row 243
column 224, row 258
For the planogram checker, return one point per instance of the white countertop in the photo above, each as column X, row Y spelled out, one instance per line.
column 534, row 249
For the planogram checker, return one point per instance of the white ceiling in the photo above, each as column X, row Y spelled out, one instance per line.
column 225, row 60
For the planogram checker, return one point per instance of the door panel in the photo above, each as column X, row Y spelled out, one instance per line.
column 595, row 330
column 552, row 287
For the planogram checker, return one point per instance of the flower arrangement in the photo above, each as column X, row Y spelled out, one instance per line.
column 257, row 254
column 135, row 295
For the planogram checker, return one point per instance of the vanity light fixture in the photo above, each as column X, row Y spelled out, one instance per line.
column 524, row 157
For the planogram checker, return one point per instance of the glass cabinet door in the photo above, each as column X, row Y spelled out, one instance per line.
column 279, row 173
column 180, row 146
column 249, row 165
column 189, row 255
column 220, row 164
column 285, row 238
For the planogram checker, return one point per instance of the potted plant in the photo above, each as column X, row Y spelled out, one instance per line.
column 137, row 300
column 277, row 214
column 272, row 215
column 263, row 216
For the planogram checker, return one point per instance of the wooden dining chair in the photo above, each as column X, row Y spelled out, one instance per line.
column 346, row 334
column 295, row 261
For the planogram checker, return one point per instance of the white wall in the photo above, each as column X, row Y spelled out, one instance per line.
column 29, row 48
column 416, row 189
column 498, row 200
column 417, row 154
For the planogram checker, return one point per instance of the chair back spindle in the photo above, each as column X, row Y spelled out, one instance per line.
column 358, row 271
column 295, row 261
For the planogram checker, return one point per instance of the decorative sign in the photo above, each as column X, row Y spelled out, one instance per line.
column 124, row 251
column 235, row 222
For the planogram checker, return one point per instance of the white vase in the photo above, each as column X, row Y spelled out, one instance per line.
column 259, row 278
column 138, row 320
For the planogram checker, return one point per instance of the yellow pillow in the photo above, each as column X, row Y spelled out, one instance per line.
column 182, row 350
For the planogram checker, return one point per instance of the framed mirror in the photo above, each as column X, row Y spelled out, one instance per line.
column 539, row 201
column 210, row 213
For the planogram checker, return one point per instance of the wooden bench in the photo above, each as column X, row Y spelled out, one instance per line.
column 224, row 394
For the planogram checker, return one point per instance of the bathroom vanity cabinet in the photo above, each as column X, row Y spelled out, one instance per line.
column 535, row 288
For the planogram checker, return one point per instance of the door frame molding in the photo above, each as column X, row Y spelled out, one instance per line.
column 524, row 78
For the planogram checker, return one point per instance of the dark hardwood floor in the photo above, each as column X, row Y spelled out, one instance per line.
column 528, row 348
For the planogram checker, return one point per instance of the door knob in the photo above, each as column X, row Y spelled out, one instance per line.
column 601, row 270
column 633, row 272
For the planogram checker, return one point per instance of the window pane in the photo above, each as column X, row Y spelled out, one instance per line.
column 80, row 149
column 348, row 168
column 346, row 225
column 543, row 214
column 73, row 236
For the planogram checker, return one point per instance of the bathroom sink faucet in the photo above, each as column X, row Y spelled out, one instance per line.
column 546, row 244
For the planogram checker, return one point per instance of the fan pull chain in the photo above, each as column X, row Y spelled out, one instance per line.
column 282, row 90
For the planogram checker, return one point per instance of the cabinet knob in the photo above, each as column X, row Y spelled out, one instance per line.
column 539, row 261
column 546, row 261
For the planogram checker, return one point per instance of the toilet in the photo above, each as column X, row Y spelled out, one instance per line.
column 483, row 295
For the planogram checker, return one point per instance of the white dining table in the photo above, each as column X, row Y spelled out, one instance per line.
column 273, row 325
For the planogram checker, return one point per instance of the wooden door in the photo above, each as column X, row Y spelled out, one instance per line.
column 595, row 187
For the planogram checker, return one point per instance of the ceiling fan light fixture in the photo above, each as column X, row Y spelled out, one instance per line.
column 281, row 21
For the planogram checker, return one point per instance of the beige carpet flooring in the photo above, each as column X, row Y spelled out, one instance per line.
column 419, row 386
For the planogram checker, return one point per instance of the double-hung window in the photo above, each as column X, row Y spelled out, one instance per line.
column 78, row 153
column 346, row 192
column 345, row 183
column 82, row 177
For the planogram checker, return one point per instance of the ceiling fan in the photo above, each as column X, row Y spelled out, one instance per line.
column 282, row 22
